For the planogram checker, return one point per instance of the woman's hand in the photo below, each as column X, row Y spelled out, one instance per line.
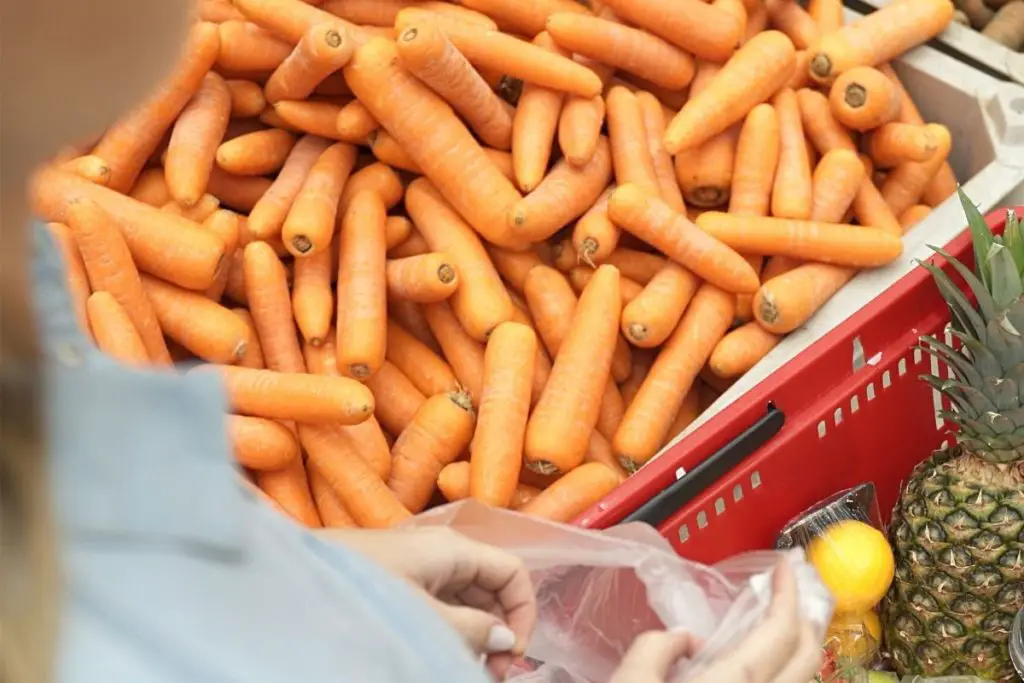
column 782, row 649
column 484, row 593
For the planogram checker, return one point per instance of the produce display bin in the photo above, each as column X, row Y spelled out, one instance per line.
column 831, row 373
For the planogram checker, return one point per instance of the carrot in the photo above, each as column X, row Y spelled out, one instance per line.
column 332, row 511
column 486, row 48
column 245, row 47
column 465, row 354
column 631, row 157
column 109, row 267
column 261, row 444
column 793, row 20
column 90, row 167
column 593, row 238
column 581, row 276
column 397, row 229
column 689, row 411
column 599, row 451
column 705, row 173
column 639, row 266
column 247, row 99
column 398, row 399
column 312, row 298
column 757, row 158
column 203, row 209
column 151, row 188
column 434, row 138
column 354, row 122
column 362, row 303
column 534, row 125
column 707, row 32
column 913, row 216
column 792, row 191
column 741, row 349
column 453, row 482
column 379, row 178
column 270, row 212
column 879, row 37
column 759, row 68
column 653, row 221
column 786, row 302
column 299, row 397
column 551, row 302
column 664, row 170
column 311, row 117
column 894, row 143
column 497, row 446
column 612, row 409
column 863, row 98
column 810, row 240
column 289, row 489
column 649, row 319
column 113, row 330
column 266, row 288
column 414, row 245
column 367, row 499
column 75, row 272
column 323, row 49
column 481, row 301
column 259, row 153
column 309, row 227
column 194, row 140
column 1005, row 27
column 827, row 14
column 368, row 12
column 226, row 226
column 425, row 369
column 820, row 125
column 564, row 195
column 623, row 47
column 525, row 18
column 427, row 53
column 218, row 11
column 565, row 256
column 288, row 19
column 571, row 495
column 514, row 266
column 579, row 128
column 559, row 429
column 906, row 184
column 387, row 151
column 410, row 317
column 656, row 404
column 424, row 278
column 253, row 357
column 639, row 367
column 837, row 180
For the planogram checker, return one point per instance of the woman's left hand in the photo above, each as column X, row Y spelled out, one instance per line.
column 484, row 593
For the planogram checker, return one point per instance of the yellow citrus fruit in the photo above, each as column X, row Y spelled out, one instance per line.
column 854, row 636
column 855, row 562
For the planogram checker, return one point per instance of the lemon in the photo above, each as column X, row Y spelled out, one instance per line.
column 855, row 562
column 854, row 637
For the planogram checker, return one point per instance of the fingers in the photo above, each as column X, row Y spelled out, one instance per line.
column 484, row 633
column 807, row 660
column 651, row 657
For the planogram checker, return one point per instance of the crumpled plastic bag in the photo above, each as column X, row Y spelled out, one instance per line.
column 598, row 590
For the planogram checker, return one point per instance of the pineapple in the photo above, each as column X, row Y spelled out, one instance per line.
column 958, row 528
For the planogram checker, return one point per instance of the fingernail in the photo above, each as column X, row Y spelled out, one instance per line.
column 500, row 639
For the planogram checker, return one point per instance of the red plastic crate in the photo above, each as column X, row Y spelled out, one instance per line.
column 854, row 411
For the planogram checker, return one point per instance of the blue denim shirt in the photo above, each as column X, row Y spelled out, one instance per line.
column 173, row 570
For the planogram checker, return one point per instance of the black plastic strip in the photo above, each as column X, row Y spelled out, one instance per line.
column 667, row 502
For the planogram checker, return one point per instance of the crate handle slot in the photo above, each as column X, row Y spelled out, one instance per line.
column 680, row 492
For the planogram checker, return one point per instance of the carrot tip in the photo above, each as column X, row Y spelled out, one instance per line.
column 409, row 34
column 462, row 399
column 542, row 467
column 359, row 370
column 628, row 464
column 302, row 244
column 821, row 66
column 768, row 311
column 637, row 332
column 333, row 38
column 709, row 197
column 446, row 273
column 855, row 95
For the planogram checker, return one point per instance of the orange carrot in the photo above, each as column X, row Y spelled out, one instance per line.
column 109, row 267
column 913, row 216
column 758, row 70
column 741, row 349
column 368, row 12
column 626, row 48
column 579, row 128
column 593, row 238
column 397, row 229
column 497, row 447
column 649, row 319
column 879, row 37
column 414, row 245
column 269, row 214
column 362, row 302
column 311, row 117
column 128, row 144
column 664, row 170
column 820, row 125
column 226, row 226
column 786, row 302
column 259, row 153
column 245, row 47
column 465, row 354
column 581, row 276
column 424, row 368
column 312, row 298
column 397, row 397
column 378, row 178
column 564, row 195
column 367, row 499
column 240, row 193
column 792, row 194
column 354, row 122
column 289, row 19
column 535, row 124
column 551, row 303
column 793, row 20
column 203, row 209
column 90, row 167
column 827, row 14
column 388, row 151
column 427, row 53
column 261, row 444
column 486, row 48
column 151, row 188
column 757, row 157
column 253, row 357
column 266, row 288
column 571, row 495
column 631, row 156
column 650, row 219
column 612, row 409
column 863, row 98
column 332, row 511
column 514, row 266
column 324, row 49
column 705, row 172
column 434, row 138
column 289, row 489
column 894, row 143
column 708, row 32
column 74, row 266
column 194, row 140
column 247, row 98
column 906, row 184
column 810, row 240
column 524, row 18
column 481, row 301
column 410, row 317
column 639, row 266
column 656, row 404
column 218, row 11
column 426, row 278
column 309, row 227
column 113, row 330
column 689, row 411
column 559, row 429
column 837, row 180
column 299, row 397
column 453, row 482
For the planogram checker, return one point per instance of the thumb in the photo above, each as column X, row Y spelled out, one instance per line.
column 485, row 633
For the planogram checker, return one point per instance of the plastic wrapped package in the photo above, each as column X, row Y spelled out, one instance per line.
column 598, row 590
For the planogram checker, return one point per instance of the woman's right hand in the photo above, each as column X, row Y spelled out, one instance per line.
column 782, row 649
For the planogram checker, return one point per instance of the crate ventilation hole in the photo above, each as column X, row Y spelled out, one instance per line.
column 720, row 506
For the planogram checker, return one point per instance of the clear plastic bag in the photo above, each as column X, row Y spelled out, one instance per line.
column 597, row 591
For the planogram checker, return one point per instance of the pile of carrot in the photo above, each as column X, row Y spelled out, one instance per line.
column 501, row 249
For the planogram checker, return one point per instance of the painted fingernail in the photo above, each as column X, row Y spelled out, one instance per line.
column 500, row 639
